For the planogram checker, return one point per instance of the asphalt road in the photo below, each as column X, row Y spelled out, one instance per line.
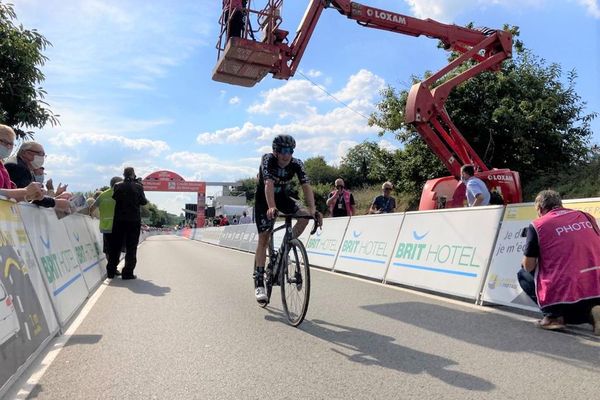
column 189, row 328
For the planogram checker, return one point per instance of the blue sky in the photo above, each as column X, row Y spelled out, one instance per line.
column 131, row 80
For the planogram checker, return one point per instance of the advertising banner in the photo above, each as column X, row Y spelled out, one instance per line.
column 56, row 258
column 368, row 244
column 323, row 246
column 445, row 251
column 249, row 238
column 26, row 315
column 211, row 235
column 87, row 249
column 502, row 286
column 93, row 226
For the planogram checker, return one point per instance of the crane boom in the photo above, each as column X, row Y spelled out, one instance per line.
column 246, row 61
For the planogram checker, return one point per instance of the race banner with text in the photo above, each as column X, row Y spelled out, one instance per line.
column 87, row 248
column 26, row 315
column 368, row 244
column 56, row 258
column 502, row 286
column 323, row 246
column 445, row 251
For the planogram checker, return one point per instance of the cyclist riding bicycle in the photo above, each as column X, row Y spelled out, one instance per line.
column 276, row 171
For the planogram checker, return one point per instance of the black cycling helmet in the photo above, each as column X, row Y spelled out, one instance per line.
column 281, row 141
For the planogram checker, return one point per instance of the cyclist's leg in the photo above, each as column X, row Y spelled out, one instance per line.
column 289, row 205
column 264, row 227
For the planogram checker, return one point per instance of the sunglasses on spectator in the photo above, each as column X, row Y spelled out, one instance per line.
column 339, row 187
column 286, row 150
column 7, row 143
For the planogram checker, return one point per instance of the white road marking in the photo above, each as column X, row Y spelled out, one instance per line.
column 38, row 369
column 20, row 304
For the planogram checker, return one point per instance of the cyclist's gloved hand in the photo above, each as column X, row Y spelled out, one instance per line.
column 272, row 213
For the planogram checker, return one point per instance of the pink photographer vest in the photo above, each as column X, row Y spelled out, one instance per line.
column 569, row 263
column 346, row 202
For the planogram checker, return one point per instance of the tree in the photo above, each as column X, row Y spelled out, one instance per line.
column 22, row 102
column 525, row 117
column 319, row 171
column 366, row 164
column 247, row 186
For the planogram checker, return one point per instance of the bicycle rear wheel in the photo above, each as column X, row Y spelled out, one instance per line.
column 295, row 283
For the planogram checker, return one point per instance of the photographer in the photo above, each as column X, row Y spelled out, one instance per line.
column 128, row 196
column 341, row 201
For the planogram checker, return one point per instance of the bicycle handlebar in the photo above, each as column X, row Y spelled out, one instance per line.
column 318, row 221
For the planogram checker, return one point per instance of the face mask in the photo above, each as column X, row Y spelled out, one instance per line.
column 38, row 178
column 4, row 152
column 38, row 162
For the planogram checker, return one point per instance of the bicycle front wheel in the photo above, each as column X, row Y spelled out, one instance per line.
column 295, row 282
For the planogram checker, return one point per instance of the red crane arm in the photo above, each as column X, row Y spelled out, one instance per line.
column 425, row 106
column 245, row 62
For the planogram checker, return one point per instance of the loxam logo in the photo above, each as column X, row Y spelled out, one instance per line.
column 386, row 16
column 417, row 237
column 502, row 178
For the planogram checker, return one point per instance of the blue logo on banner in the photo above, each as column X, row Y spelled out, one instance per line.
column 45, row 243
column 76, row 236
column 356, row 234
column 419, row 237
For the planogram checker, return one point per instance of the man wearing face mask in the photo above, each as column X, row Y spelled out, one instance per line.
column 31, row 156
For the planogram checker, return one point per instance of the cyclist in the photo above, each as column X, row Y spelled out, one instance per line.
column 276, row 171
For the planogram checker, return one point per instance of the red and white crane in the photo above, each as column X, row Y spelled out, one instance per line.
column 244, row 60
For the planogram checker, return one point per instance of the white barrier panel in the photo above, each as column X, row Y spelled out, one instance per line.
column 249, row 238
column 93, row 226
column 56, row 258
column 502, row 286
column 211, row 235
column 368, row 244
column 87, row 249
column 323, row 246
column 27, row 319
column 445, row 251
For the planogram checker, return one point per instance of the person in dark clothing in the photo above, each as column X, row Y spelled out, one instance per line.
column 127, row 222
column 31, row 156
column 234, row 16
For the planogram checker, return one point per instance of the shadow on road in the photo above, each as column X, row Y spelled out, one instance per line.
column 493, row 331
column 141, row 286
column 370, row 348
column 83, row 339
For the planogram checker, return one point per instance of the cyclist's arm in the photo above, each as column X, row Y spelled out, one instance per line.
column 270, row 196
column 309, row 198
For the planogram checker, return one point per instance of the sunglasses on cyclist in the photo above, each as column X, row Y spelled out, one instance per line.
column 285, row 150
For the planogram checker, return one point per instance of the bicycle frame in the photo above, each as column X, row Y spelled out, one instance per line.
column 275, row 264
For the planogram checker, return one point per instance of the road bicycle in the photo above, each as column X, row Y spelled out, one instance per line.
column 289, row 268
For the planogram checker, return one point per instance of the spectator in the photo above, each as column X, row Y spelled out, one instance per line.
column 235, row 9
column 223, row 221
column 563, row 248
column 105, row 204
column 234, row 221
column 477, row 192
column 341, row 201
column 32, row 191
column 384, row 203
column 128, row 196
column 245, row 219
column 31, row 156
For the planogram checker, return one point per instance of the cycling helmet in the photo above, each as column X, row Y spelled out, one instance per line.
column 281, row 141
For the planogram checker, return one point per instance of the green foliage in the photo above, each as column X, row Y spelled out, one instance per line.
column 22, row 102
column 319, row 171
column 247, row 186
column 158, row 218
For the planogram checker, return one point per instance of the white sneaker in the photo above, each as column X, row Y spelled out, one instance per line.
column 261, row 294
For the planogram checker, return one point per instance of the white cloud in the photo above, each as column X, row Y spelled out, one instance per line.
column 211, row 168
column 234, row 100
column 447, row 10
column 592, row 7
column 294, row 97
column 387, row 145
column 313, row 73
column 364, row 85
column 342, row 149
column 136, row 86
column 72, row 140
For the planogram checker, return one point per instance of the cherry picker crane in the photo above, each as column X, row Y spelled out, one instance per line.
column 245, row 60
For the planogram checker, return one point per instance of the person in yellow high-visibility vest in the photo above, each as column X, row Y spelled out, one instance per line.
column 106, row 207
